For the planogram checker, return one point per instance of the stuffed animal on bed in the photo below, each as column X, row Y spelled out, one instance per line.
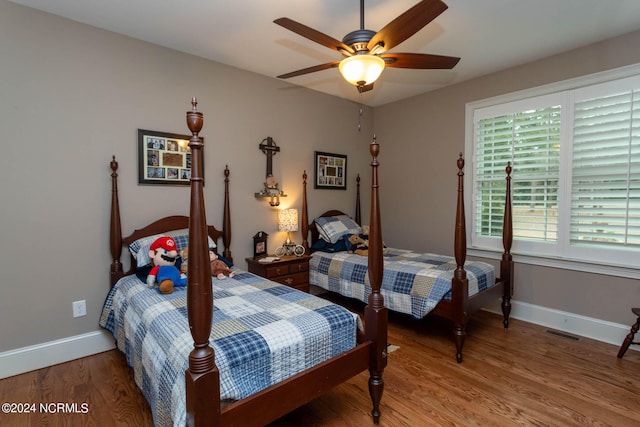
column 184, row 260
column 358, row 245
column 219, row 268
column 164, row 273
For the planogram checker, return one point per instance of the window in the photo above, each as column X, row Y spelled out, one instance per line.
column 575, row 153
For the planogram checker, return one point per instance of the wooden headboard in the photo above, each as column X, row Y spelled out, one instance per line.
column 160, row 226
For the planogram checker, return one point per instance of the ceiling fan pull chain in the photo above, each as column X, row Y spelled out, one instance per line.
column 360, row 113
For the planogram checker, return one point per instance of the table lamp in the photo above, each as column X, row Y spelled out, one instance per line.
column 288, row 221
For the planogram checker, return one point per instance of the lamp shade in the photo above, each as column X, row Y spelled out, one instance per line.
column 288, row 220
column 361, row 69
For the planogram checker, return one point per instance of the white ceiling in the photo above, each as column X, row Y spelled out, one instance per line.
column 489, row 35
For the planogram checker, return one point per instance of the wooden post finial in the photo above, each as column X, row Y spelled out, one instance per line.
column 114, row 164
column 374, row 149
column 194, row 122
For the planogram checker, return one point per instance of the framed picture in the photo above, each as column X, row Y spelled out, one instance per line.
column 164, row 158
column 330, row 171
column 260, row 244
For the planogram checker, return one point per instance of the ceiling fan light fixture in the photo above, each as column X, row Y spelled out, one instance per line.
column 361, row 70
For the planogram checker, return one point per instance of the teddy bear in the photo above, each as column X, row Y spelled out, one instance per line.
column 163, row 253
column 358, row 245
column 219, row 268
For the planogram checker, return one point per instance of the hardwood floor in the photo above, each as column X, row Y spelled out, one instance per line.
column 523, row 376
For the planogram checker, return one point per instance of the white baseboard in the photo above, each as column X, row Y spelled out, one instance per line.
column 38, row 356
column 21, row 360
column 588, row 327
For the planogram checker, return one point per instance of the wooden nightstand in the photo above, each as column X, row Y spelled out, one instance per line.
column 290, row 270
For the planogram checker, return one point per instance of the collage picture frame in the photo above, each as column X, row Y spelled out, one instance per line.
column 330, row 171
column 164, row 158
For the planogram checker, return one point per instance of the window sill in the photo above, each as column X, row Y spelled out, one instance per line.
column 566, row 264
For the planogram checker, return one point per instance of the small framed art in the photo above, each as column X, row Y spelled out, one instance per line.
column 163, row 158
column 330, row 171
column 260, row 244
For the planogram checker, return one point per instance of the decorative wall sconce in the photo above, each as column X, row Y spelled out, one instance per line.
column 270, row 189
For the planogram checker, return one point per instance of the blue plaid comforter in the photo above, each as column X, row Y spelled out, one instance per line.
column 262, row 332
column 412, row 283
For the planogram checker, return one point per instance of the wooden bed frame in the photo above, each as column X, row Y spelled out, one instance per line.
column 461, row 306
column 202, row 377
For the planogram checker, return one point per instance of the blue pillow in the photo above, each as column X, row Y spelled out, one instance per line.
column 324, row 246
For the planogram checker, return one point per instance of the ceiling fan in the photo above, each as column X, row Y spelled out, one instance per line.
column 365, row 51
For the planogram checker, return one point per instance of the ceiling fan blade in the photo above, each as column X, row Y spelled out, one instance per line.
column 420, row 61
column 406, row 25
column 310, row 70
column 314, row 35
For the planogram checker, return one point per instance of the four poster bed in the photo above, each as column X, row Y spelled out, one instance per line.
column 242, row 351
column 413, row 283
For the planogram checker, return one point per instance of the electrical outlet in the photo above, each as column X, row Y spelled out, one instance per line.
column 79, row 308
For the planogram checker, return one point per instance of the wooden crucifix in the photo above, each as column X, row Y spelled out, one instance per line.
column 270, row 149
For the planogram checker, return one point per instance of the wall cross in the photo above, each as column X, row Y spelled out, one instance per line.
column 270, row 149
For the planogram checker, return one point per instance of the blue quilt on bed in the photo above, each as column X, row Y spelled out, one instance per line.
column 412, row 283
column 262, row 332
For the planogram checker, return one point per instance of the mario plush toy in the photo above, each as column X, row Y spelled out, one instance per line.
column 163, row 253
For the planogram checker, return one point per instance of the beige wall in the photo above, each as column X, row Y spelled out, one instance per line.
column 71, row 96
column 422, row 185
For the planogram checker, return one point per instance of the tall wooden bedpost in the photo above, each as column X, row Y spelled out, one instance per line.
column 358, row 212
column 375, row 312
column 115, row 232
column 460, row 283
column 202, row 377
column 226, row 231
column 305, row 216
column 506, row 264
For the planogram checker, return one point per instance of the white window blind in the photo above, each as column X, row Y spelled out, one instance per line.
column 605, row 195
column 575, row 154
column 530, row 141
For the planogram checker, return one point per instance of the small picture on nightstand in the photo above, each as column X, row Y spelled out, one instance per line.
column 260, row 244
